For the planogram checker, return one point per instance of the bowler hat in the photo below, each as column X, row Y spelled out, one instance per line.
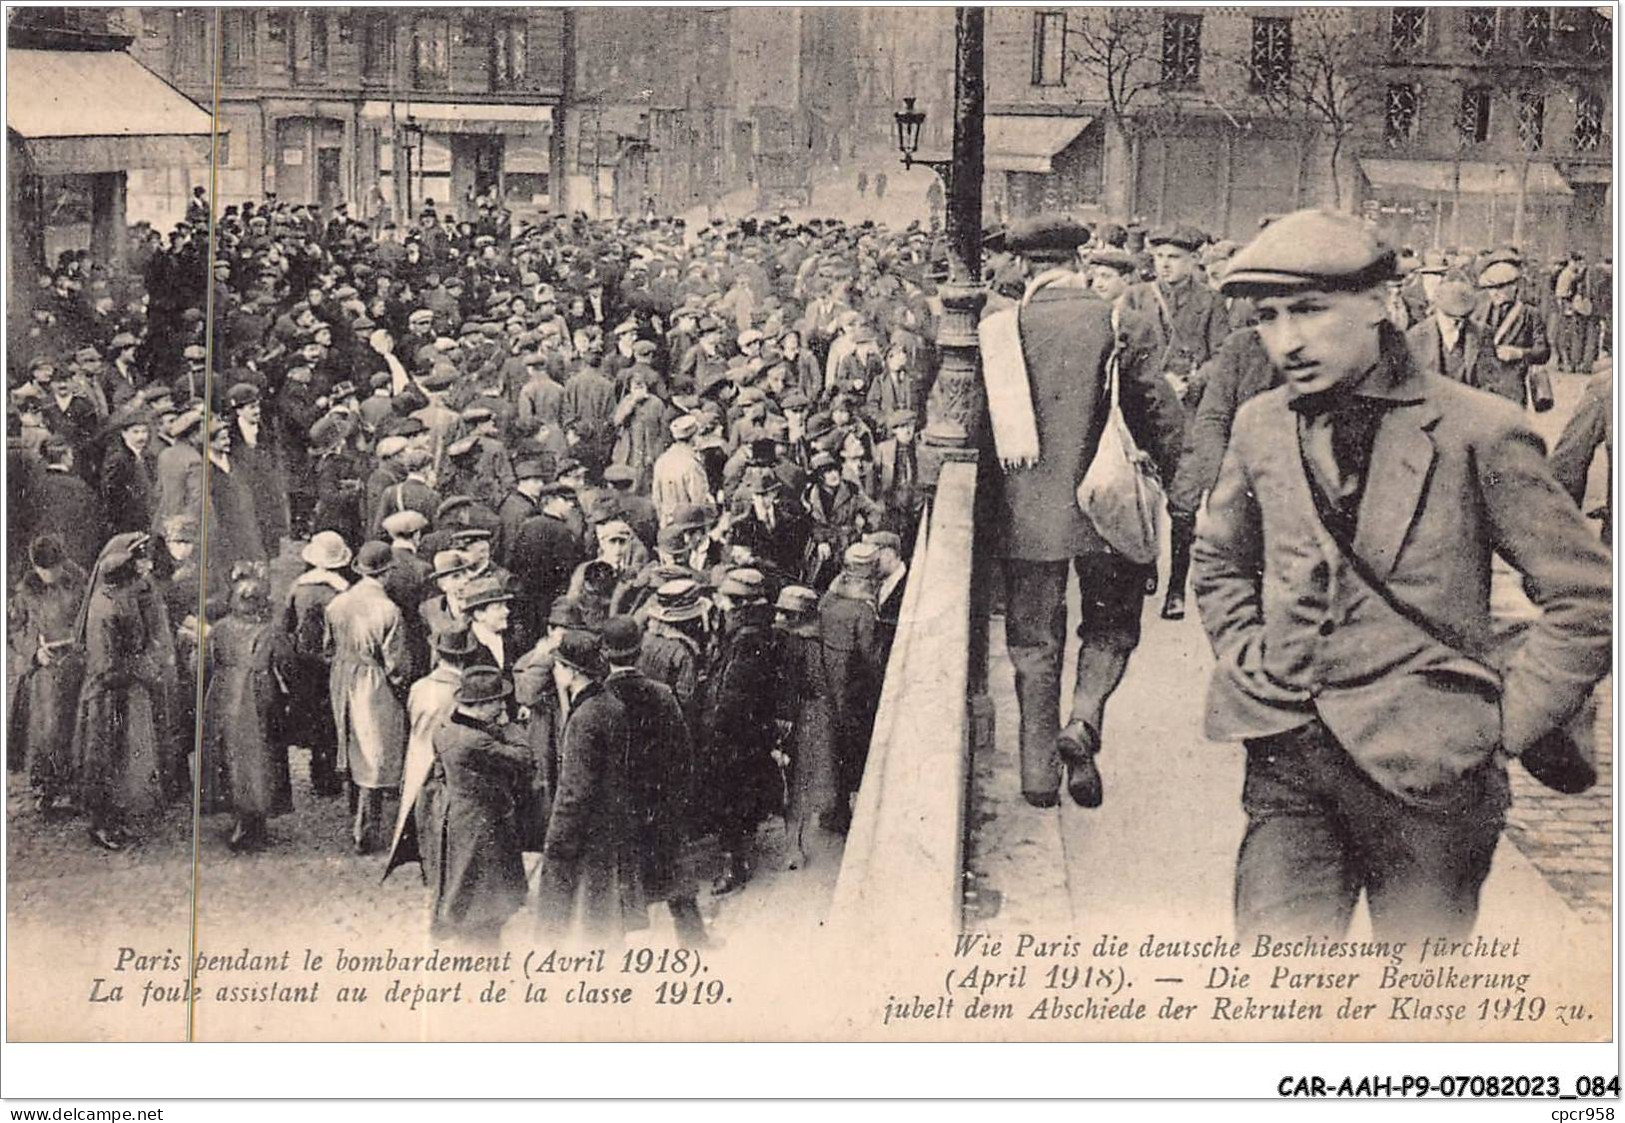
column 374, row 558
column 622, row 639
column 579, row 648
column 480, row 685
column 455, row 642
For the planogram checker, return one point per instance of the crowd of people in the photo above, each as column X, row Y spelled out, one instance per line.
column 603, row 527
column 589, row 539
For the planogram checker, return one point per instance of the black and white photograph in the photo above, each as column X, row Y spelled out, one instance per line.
column 813, row 524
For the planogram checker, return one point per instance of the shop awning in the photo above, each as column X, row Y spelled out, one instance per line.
column 1028, row 144
column 458, row 117
column 79, row 112
column 1477, row 177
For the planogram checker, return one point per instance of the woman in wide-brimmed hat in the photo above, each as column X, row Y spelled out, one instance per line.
column 304, row 621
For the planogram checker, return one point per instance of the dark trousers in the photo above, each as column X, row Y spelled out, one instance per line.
column 1181, row 533
column 1319, row 831
column 1112, row 593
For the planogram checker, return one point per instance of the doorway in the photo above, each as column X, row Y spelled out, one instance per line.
column 329, row 190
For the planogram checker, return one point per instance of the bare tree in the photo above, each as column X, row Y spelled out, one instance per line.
column 1118, row 52
column 1325, row 86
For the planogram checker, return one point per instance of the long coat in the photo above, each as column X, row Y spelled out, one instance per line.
column 678, row 477
column 1455, row 477
column 67, row 508
column 429, row 705
column 366, row 644
column 643, row 436
column 849, row 626
column 127, row 489
column 1067, row 337
column 737, row 773
column 805, row 700
column 304, row 621
column 234, row 526
column 177, row 484
column 480, row 867
column 245, row 761
column 40, row 727
column 116, row 750
column 266, row 482
column 591, row 876
column 660, row 777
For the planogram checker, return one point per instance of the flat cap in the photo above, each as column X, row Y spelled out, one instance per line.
column 797, row 598
column 1497, row 274
column 1045, row 233
column 1310, row 249
column 1185, row 237
column 1114, row 258
column 401, row 523
column 745, row 583
column 1453, row 297
column 390, row 446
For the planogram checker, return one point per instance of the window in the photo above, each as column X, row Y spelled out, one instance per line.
column 1473, row 121
column 1599, row 34
column 508, row 54
column 237, row 40
column 1407, row 30
column 1181, row 49
column 1049, row 49
column 192, row 39
column 1531, row 120
column 1399, row 120
column 1536, row 33
column 1271, row 64
column 377, row 46
column 431, row 43
column 1587, row 121
column 279, row 29
column 1481, row 30
column 318, row 42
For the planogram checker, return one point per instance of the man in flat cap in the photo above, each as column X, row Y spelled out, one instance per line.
column 1045, row 364
column 1190, row 322
column 1514, row 337
column 1343, row 568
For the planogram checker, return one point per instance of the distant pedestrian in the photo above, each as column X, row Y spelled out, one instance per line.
column 863, row 184
column 880, row 186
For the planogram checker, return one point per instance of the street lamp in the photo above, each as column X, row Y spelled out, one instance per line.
column 411, row 137
column 909, row 123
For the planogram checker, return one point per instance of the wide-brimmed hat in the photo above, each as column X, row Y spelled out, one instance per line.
column 326, row 550
column 744, row 583
column 399, row 524
column 480, row 685
column 486, row 590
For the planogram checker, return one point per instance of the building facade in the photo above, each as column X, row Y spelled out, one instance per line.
column 1496, row 126
column 84, row 121
column 379, row 108
column 1445, row 125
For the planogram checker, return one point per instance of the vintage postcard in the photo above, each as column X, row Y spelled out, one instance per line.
column 870, row 524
